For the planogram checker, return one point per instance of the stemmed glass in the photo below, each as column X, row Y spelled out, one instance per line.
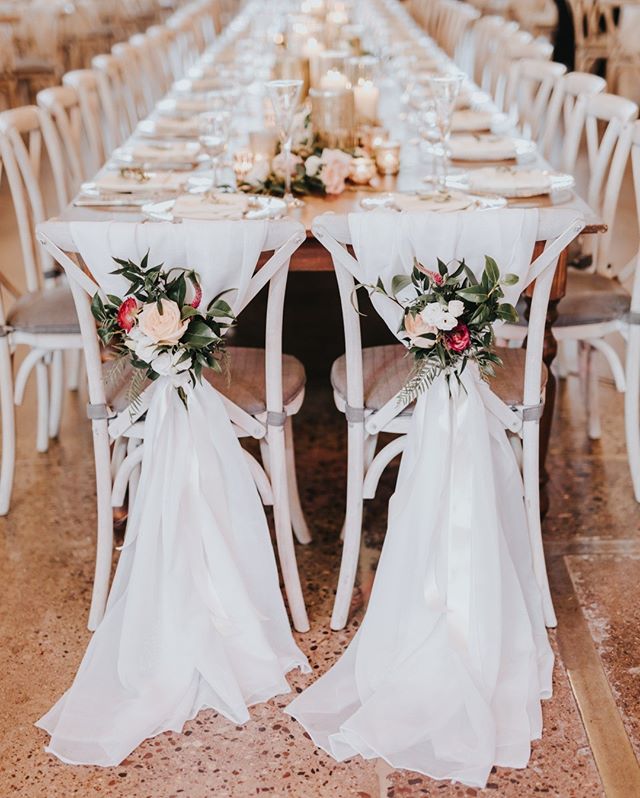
column 444, row 92
column 285, row 97
column 214, row 129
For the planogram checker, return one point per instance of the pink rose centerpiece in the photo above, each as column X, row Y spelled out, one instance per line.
column 447, row 319
column 158, row 327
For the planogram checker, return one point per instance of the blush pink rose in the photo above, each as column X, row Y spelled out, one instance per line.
column 459, row 339
column 416, row 327
column 278, row 165
column 336, row 166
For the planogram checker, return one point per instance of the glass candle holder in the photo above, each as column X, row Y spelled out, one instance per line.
column 366, row 96
column 288, row 66
column 263, row 143
column 243, row 161
column 332, row 61
column 372, row 136
column 333, row 117
column 363, row 67
column 388, row 157
column 363, row 170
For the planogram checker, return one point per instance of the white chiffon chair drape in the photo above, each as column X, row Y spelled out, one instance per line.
column 446, row 672
column 195, row 617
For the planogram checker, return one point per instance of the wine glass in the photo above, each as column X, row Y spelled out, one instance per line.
column 214, row 128
column 285, row 97
column 444, row 92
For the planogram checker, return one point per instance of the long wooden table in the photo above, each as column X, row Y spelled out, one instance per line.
column 312, row 257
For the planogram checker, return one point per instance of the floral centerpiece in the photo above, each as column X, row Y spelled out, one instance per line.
column 159, row 328
column 448, row 322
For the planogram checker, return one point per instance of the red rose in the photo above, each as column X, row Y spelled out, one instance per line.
column 458, row 339
column 127, row 313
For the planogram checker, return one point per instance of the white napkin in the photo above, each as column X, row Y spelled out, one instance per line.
column 482, row 148
column 168, row 126
column 510, row 182
column 200, row 206
column 156, row 181
column 183, row 105
column 438, row 202
column 165, row 153
column 469, row 120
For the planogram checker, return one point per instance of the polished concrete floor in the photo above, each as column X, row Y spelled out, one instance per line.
column 592, row 533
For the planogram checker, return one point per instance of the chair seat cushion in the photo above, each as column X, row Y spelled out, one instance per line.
column 49, row 311
column 244, row 384
column 386, row 369
column 590, row 299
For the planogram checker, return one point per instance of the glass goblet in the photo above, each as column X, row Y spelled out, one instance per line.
column 444, row 92
column 285, row 98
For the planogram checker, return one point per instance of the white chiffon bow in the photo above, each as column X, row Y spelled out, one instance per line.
column 195, row 617
column 446, row 672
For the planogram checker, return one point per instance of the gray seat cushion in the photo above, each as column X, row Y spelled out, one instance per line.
column 244, row 385
column 49, row 311
column 386, row 369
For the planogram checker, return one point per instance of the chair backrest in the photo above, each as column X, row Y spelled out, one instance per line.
column 116, row 97
column 283, row 238
column 150, row 67
column 528, row 91
column 557, row 228
column 134, row 77
column 485, row 32
column 164, row 43
column 635, row 160
column 565, row 113
column 608, row 129
column 21, row 157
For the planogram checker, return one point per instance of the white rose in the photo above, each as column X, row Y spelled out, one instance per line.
column 432, row 313
column 312, row 165
column 163, row 328
column 447, row 321
column 143, row 347
column 456, row 307
column 167, row 364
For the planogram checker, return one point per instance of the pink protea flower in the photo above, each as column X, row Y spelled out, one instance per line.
column 127, row 313
column 197, row 299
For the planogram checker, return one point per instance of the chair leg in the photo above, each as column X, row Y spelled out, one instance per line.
column 284, row 533
column 73, row 368
column 530, row 478
column 631, row 407
column 104, row 541
column 57, row 393
column 300, row 528
column 7, row 409
column 593, row 396
column 352, row 526
column 42, row 385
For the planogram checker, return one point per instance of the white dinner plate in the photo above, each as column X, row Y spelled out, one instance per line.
column 260, row 208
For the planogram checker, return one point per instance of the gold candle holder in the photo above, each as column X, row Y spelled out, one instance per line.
column 332, row 117
column 388, row 157
column 371, row 136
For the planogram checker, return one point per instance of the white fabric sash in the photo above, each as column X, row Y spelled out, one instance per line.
column 195, row 617
column 448, row 668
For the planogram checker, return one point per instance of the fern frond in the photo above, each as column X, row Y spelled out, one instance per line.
column 134, row 391
column 420, row 379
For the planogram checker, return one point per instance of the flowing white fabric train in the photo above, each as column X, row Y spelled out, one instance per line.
column 446, row 673
column 195, row 617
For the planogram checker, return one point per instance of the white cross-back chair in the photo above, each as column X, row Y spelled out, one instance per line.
column 264, row 391
column 117, row 101
column 528, row 91
column 367, row 383
column 43, row 318
column 135, row 79
column 565, row 114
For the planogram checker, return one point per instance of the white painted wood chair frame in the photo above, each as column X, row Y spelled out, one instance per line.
column 528, row 91
column 116, row 98
column 21, row 164
column 94, row 117
column 558, row 228
column 273, row 427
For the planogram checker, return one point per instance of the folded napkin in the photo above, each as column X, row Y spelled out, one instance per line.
column 468, row 120
column 168, row 126
column 166, row 153
column 155, row 181
column 184, row 105
column 203, row 206
column 199, row 84
column 482, row 148
column 436, row 201
column 510, row 182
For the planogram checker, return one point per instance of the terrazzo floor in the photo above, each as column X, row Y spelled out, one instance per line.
column 46, row 552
